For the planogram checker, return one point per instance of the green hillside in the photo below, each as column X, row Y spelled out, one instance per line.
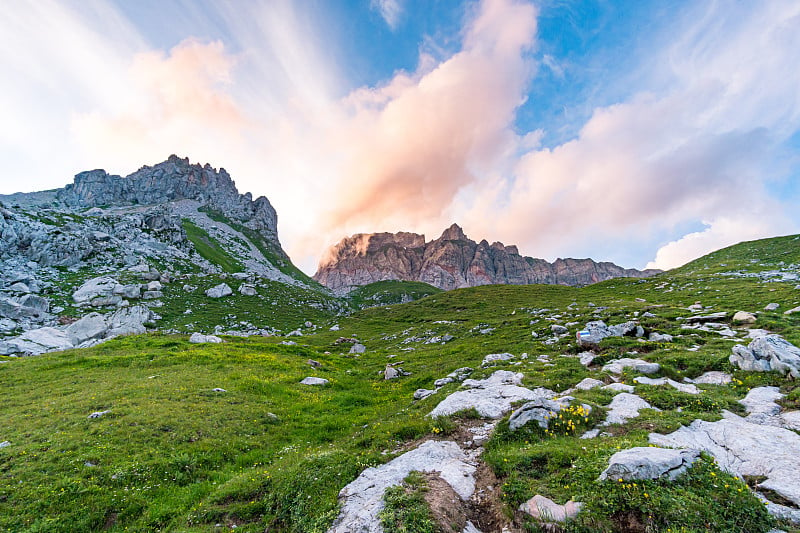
column 270, row 454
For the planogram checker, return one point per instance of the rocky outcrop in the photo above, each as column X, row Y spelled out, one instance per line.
column 450, row 262
column 174, row 179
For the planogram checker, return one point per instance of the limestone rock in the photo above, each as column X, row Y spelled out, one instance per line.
column 421, row 394
column 37, row 341
column 219, row 291
column 495, row 357
column 712, row 377
column 589, row 383
column 91, row 326
column 688, row 388
column 460, row 374
column 743, row 317
column 247, row 290
column 491, row 397
column 625, row 406
column 768, row 353
column 771, row 307
column 94, row 289
column 130, row 320
column 745, row 449
column 648, row 463
column 597, row 330
column 659, row 337
column 618, row 366
column 199, row 338
column 358, row 348
column 314, row 381
column 548, row 511
column 541, row 410
column 362, row 500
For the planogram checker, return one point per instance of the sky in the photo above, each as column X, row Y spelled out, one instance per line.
column 644, row 132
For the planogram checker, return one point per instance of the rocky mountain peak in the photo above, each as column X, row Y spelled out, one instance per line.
column 452, row 261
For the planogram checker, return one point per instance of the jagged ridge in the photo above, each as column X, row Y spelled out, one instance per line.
column 450, row 262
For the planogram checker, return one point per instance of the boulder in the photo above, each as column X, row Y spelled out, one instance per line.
column 771, row 307
column 491, row 397
column 648, row 463
column 541, row 410
column 130, row 320
column 105, row 301
column 597, row 330
column 37, row 341
column 743, row 317
column 712, row 377
column 247, row 290
column 152, row 295
column 589, row 383
column 131, row 291
column 199, row 338
column 421, row 394
column 153, row 286
column 659, row 337
column 91, row 326
column 219, row 291
column 688, row 388
column 548, row 511
column 618, row 366
column 745, row 449
column 358, row 348
column 361, row 501
column 95, row 288
column 619, row 387
column 793, row 310
column 459, row 374
column 495, row 357
column 314, row 381
column 625, row 406
column 38, row 303
column 701, row 319
column 768, row 353
column 558, row 329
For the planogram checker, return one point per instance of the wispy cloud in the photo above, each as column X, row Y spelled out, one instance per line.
column 390, row 10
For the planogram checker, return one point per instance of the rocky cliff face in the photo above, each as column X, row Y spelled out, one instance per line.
column 174, row 179
column 450, row 262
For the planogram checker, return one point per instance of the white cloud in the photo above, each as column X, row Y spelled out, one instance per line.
column 390, row 10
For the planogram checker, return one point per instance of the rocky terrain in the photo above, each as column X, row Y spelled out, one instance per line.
column 111, row 251
column 452, row 261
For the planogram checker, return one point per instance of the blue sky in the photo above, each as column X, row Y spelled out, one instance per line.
column 644, row 133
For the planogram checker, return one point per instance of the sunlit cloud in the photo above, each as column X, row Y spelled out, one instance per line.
column 390, row 10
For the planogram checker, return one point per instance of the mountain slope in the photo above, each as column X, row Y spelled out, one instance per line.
column 450, row 262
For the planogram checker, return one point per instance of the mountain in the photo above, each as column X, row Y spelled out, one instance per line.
column 116, row 254
column 452, row 261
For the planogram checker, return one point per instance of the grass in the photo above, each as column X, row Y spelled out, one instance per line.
column 270, row 454
column 209, row 249
column 390, row 292
column 405, row 508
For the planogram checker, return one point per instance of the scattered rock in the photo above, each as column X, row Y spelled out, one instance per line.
column 618, row 366
column 198, row 338
column 546, row 510
column 358, row 348
column 362, row 500
column 495, row 357
column 314, row 381
column 625, row 406
column 771, row 307
column 5, row 444
column 743, row 317
column 91, row 326
column 597, row 330
column 98, row 414
column 541, row 410
column 219, row 291
column 792, row 310
column 659, row 337
column 102, row 287
column 217, row 389
column 589, row 383
column 767, row 353
column 745, row 449
column 712, row 377
column 558, row 329
column 491, row 397
column 648, row 463
column 460, row 374
column 683, row 387
column 334, row 327
column 247, row 290
column 713, row 317
column 619, row 387
column 314, row 364
column 421, row 394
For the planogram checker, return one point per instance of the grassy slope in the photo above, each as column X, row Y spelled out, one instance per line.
column 390, row 292
column 173, row 455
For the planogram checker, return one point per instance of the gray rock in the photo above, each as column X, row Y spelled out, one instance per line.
column 33, row 301
column 358, row 348
column 95, row 288
column 98, row 414
column 760, row 401
column 362, row 500
column 713, row 317
column 688, row 388
column 771, row 307
column 619, row 387
column 618, row 366
column 314, row 381
column 712, row 377
column 495, row 357
column 743, row 317
column 247, row 290
column 597, row 330
column 198, row 338
column 792, row 310
column 547, row 511
column 541, row 411
column 19, row 287
column 5, row 444
column 768, row 353
column 745, row 449
column 648, row 463
column 558, row 329
column 491, row 397
column 421, row 394
column 152, row 295
column 105, row 301
column 460, row 374
column 659, row 337
column 219, row 291
column 129, row 291
column 589, row 383
column 153, row 286
column 130, row 321
column 217, row 389
column 334, row 327
column 91, row 326
column 37, row 341
column 625, row 406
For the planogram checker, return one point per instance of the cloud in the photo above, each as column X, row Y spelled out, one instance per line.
column 718, row 234
column 390, row 10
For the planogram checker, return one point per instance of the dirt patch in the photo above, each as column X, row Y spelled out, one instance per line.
column 485, row 506
column 449, row 511
column 628, row 522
